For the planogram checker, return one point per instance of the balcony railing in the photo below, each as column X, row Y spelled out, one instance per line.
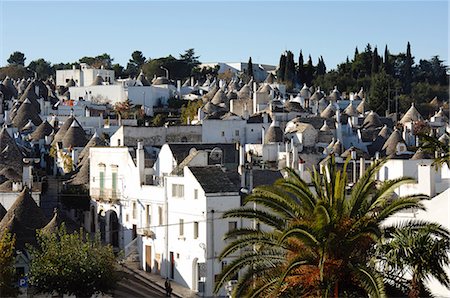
column 105, row 194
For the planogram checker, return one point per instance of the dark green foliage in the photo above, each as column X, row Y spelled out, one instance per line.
column 379, row 92
column 281, row 68
column 300, row 69
column 387, row 63
column 159, row 120
column 72, row 264
column 135, row 63
column 375, row 61
column 42, row 68
column 178, row 68
column 250, row 68
column 7, row 261
column 321, row 238
column 190, row 110
column 309, row 72
column 408, row 70
column 321, row 68
column 119, row 71
column 15, row 72
column 104, row 60
column 289, row 71
column 17, row 58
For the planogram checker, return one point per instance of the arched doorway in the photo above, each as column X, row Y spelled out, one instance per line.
column 102, row 225
column 114, row 229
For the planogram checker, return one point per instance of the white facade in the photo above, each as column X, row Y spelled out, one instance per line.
column 232, row 131
column 176, row 226
column 84, row 76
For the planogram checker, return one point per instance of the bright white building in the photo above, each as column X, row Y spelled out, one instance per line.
column 84, row 76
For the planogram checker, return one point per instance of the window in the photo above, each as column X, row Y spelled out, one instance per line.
column 195, row 194
column 223, row 133
column 134, row 210
column 148, row 215
column 127, row 218
column 114, row 182
column 102, row 182
column 195, row 229
column 118, row 142
column 177, row 190
column 160, row 215
column 181, row 227
column 236, row 133
column 232, row 225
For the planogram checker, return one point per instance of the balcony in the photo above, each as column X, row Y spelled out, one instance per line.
column 107, row 195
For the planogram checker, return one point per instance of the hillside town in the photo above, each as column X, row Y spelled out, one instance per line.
column 81, row 149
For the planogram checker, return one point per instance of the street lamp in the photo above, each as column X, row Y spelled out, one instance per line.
column 167, row 71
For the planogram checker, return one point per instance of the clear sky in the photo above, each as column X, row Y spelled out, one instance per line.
column 229, row 31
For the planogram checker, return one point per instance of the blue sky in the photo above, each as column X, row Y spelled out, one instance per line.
column 63, row 31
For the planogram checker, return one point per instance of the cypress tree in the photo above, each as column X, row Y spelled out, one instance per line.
column 356, row 53
column 301, row 69
column 309, row 72
column 375, row 61
column 250, row 68
column 281, row 68
column 387, row 61
column 408, row 70
column 289, row 72
column 321, row 68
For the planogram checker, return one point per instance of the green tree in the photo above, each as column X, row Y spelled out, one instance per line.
column 317, row 242
column 379, row 92
column 436, row 148
column 309, row 72
column 190, row 110
column 72, row 264
column 42, row 68
column 119, row 71
column 190, row 58
column 135, row 63
column 289, row 71
column 416, row 249
column 375, row 62
column 17, row 58
column 408, row 70
column 300, row 69
column 7, row 268
column 249, row 68
column 387, row 61
column 104, row 60
column 281, row 68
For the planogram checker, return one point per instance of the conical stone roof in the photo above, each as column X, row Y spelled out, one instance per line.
column 390, row 146
column 25, row 113
column 75, row 136
column 372, row 121
column 97, row 81
column 43, row 130
column 411, row 115
column 10, row 154
column 141, row 78
column 274, row 134
column 56, row 221
column 24, row 218
column 63, row 129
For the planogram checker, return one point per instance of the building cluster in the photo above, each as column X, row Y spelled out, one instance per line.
column 158, row 193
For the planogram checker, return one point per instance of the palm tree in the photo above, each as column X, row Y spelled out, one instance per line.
column 441, row 149
column 418, row 250
column 315, row 241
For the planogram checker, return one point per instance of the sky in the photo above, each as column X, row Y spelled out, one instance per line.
column 226, row 31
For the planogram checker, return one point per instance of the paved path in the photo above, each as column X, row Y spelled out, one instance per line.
column 158, row 281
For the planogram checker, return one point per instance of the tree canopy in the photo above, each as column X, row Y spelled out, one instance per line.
column 7, row 268
column 72, row 264
column 17, row 58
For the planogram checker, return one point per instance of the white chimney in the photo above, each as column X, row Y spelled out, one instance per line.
column 263, row 132
column 140, row 161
